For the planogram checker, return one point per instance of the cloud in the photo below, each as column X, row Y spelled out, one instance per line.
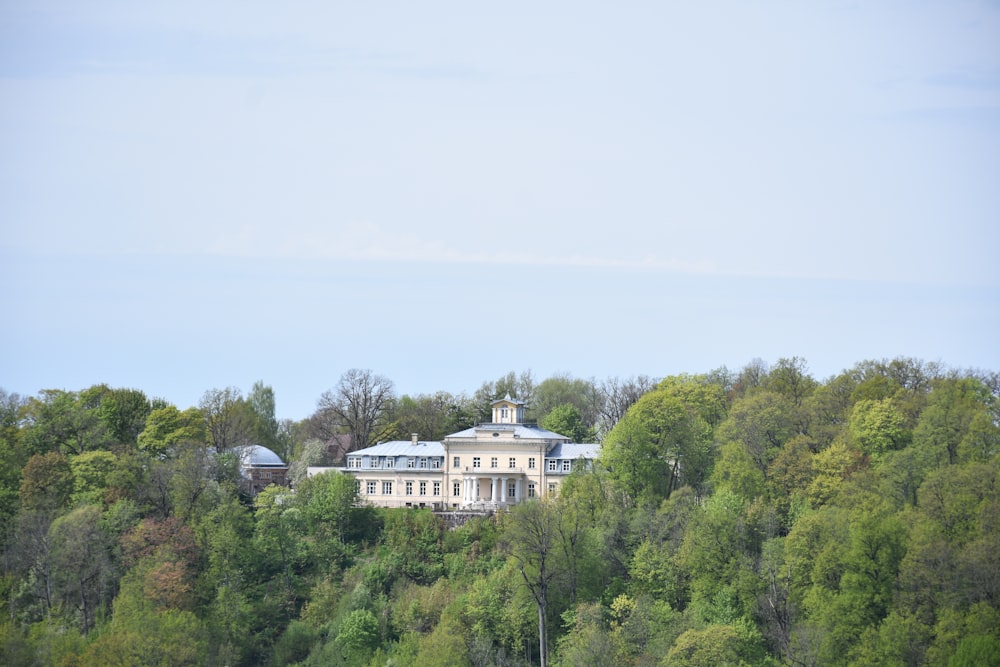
column 371, row 242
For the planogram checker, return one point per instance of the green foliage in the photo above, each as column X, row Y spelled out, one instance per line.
column 46, row 482
column 756, row 518
column 664, row 441
column 565, row 420
column 90, row 475
column 167, row 428
column 877, row 427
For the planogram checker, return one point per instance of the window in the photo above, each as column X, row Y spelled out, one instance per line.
column 456, row 489
column 475, row 461
column 512, row 463
column 512, row 490
column 354, row 462
column 504, row 412
column 552, row 488
column 375, row 462
column 437, row 488
column 409, row 488
column 390, row 462
column 357, row 486
column 567, row 465
column 531, row 489
column 410, row 462
column 423, row 463
column 435, row 463
column 386, row 488
column 370, row 488
column 423, row 488
column 552, row 465
column 456, row 462
column 531, row 463
column 493, row 462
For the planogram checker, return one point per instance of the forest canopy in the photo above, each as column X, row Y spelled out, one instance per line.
column 758, row 516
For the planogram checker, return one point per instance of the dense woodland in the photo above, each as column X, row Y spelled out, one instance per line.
column 757, row 517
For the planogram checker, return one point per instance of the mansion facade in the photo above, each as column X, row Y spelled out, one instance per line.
column 485, row 467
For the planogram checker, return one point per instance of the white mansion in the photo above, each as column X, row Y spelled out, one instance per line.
column 483, row 467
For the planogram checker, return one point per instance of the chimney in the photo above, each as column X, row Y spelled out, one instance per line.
column 413, row 439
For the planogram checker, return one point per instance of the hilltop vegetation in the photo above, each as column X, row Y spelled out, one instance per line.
column 758, row 517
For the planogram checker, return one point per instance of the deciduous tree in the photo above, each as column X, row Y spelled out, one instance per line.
column 359, row 403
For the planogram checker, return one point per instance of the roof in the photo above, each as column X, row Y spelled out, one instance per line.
column 508, row 399
column 520, row 431
column 402, row 448
column 572, row 450
column 258, row 456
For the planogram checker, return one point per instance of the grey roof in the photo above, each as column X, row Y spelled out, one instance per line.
column 402, row 448
column 520, row 430
column 258, row 456
column 508, row 399
column 572, row 450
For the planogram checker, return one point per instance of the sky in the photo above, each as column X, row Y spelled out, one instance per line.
column 201, row 195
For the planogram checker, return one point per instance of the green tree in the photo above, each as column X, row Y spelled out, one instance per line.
column 82, row 564
column 91, row 471
column 565, row 420
column 228, row 420
column 167, row 427
column 46, row 482
column 123, row 412
column 65, row 421
column 877, row 427
column 665, row 439
column 762, row 421
column 560, row 390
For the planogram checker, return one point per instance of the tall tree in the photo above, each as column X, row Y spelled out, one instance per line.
column 533, row 541
column 360, row 401
column 562, row 390
column 226, row 418
column 616, row 396
column 265, row 425
column 124, row 412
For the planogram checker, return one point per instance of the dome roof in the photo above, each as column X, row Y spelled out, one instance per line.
column 258, row 456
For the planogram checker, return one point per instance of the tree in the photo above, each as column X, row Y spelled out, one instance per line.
column 665, row 439
column 65, row 421
column 790, row 378
column 46, row 482
column 762, row 422
column 533, row 541
column 124, row 412
column 616, row 396
column 359, row 402
column 565, row 420
column 82, row 565
column 518, row 386
column 168, row 427
column 877, row 427
column 560, row 390
column 227, row 419
column 431, row 416
column 265, row 426
column 90, row 475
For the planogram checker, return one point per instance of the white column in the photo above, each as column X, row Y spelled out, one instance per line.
column 496, row 483
column 503, row 489
column 517, row 490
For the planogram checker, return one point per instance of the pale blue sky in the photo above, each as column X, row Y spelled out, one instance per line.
column 198, row 195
